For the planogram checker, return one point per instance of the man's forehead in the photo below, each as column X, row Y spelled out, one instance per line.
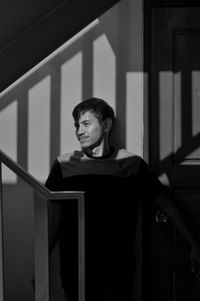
column 89, row 115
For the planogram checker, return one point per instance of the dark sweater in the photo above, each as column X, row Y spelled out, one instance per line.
column 114, row 188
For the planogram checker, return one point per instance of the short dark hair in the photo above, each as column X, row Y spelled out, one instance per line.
column 99, row 107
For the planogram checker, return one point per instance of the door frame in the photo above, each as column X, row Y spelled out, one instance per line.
column 148, row 5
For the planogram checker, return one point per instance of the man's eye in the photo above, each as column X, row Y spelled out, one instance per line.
column 86, row 123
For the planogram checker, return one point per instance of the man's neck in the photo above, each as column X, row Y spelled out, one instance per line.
column 99, row 151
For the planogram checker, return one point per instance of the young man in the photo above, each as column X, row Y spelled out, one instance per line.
column 115, row 183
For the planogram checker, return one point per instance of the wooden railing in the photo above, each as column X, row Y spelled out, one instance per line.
column 42, row 196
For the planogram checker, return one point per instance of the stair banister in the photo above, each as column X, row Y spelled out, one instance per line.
column 42, row 196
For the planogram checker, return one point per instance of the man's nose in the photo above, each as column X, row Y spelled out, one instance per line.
column 80, row 131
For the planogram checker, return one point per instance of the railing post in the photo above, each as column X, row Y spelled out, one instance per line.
column 81, row 246
column 42, row 291
column 41, row 249
column 1, row 238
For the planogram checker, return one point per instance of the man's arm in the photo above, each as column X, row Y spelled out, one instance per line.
column 168, row 206
column 166, row 200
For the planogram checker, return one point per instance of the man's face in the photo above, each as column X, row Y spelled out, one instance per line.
column 89, row 130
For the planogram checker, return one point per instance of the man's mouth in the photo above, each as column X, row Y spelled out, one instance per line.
column 82, row 139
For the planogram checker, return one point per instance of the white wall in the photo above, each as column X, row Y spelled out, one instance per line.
column 104, row 60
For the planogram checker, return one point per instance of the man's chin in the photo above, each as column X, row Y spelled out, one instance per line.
column 88, row 148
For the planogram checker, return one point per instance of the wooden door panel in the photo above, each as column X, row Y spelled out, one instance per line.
column 175, row 145
column 187, row 95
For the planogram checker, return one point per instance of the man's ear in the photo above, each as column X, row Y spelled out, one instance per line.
column 107, row 125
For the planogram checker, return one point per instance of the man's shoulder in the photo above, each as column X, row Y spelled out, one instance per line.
column 78, row 155
column 67, row 157
column 125, row 154
column 129, row 162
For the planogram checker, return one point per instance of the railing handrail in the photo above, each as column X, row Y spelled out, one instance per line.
column 41, row 244
column 33, row 182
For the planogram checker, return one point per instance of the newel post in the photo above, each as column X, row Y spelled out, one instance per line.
column 41, row 248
